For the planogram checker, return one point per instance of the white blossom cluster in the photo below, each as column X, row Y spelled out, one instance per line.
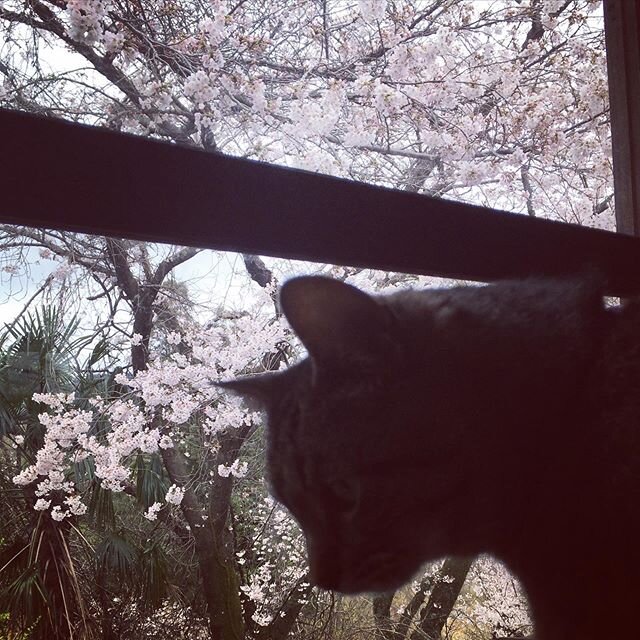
column 86, row 19
column 214, row 27
column 163, row 399
column 372, row 9
column 174, row 494
column 152, row 512
column 496, row 597
column 280, row 560
column 237, row 469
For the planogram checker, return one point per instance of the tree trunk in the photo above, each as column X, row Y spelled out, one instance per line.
column 221, row 592
column 443, row 597
column 381, row 606
column 284, row 619
column 413, row 606
column 217, row 571
column 215, row 558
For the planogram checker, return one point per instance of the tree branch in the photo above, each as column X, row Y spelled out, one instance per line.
column 119, row 258
column 526, row 183
column 182, row 255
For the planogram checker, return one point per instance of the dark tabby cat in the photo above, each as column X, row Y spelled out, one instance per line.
column 499, row 419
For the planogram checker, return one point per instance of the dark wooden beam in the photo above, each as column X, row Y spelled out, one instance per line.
column 622, row 31
column 65, row 176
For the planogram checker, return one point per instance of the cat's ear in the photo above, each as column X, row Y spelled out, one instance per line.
column 333, row 320
column 260, row 387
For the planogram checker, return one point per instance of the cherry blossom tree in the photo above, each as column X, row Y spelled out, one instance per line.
column 91, row 443
column 502, row 103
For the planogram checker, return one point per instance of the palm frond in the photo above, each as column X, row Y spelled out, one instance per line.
column 115, row 556
column 151, row 481
column 101, row 507
column 154, row 579
column 25, row 599
column 101, row 349
column 8, row 417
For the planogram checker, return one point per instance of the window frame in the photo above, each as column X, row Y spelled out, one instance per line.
column 68, row 176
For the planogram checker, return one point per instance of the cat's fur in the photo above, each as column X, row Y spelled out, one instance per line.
column 500, row 419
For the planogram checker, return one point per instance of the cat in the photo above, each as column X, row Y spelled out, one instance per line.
column 500, row 419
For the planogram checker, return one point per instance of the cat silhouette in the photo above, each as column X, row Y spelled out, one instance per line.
column 500, row 419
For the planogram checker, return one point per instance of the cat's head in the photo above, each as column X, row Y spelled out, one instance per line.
column 419, row 423
column 340, row 452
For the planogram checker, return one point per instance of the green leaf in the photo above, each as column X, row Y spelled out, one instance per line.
column 101, row 507
column 154, row 576
column 116, row 557
column 151, row 482
column 100, row 351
